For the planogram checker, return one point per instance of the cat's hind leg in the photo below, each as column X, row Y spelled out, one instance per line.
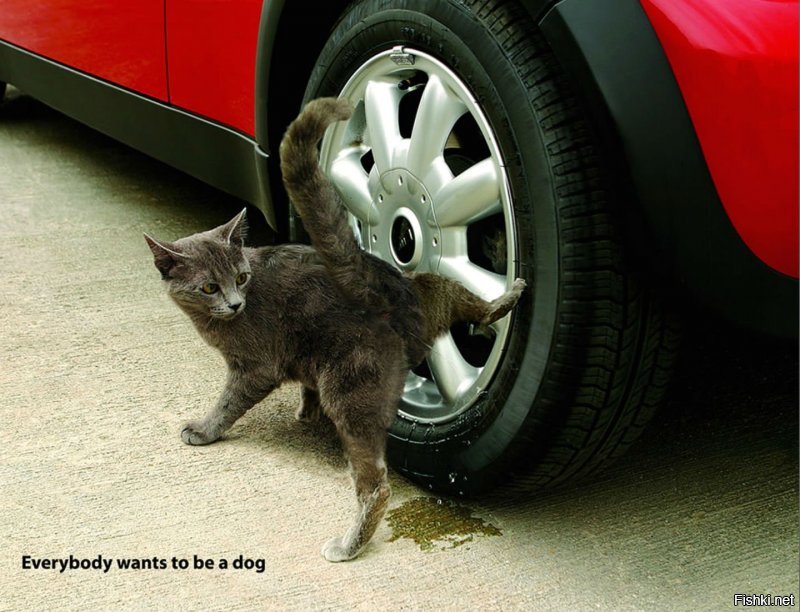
column 445, row 301
column 497, row 309
column 368, row 471
column 361, row 395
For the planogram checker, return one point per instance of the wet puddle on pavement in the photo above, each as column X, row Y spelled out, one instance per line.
column 437, row 524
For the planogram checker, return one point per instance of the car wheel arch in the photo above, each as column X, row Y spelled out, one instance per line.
column 291, row 36
column 676, row 226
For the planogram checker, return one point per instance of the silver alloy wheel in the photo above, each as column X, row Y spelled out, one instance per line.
column 421, row 174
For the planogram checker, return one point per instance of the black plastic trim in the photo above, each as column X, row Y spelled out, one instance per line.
column 284, row 62
column 613, row 57
column 211, row 152
column 271, row 11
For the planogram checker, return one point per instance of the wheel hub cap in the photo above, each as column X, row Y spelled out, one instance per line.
column 404, row 230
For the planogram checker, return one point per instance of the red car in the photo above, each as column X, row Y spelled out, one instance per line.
column 616, row 154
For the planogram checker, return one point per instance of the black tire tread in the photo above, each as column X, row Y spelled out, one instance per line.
column 614, row 335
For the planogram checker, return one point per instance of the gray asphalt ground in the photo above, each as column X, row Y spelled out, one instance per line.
column 99, row 370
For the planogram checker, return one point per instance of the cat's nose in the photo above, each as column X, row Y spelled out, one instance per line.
column 235, row 306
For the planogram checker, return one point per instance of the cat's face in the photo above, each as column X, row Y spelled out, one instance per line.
column 206, row 273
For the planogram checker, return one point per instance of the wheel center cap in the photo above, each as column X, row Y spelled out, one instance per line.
column 402, row 229
column 404, row 240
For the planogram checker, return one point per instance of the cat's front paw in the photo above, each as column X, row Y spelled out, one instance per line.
column 334, row 551
column 193, row 434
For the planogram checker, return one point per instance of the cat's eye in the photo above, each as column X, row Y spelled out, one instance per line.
column 210, row 288
column 242, row 278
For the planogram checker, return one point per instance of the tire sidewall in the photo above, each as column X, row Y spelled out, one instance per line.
column 469, row 453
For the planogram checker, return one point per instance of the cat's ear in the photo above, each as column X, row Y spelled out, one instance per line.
column 235, row 230
column 164, row 254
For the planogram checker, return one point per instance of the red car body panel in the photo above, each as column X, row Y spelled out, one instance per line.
column 121, row 41
column 211, row 54
column 735, row 62
column 736, row 65
column 210, row 48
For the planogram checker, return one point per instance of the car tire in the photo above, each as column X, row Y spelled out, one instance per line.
column 574, row 374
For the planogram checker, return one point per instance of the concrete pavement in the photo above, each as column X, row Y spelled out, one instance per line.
column 99, row 370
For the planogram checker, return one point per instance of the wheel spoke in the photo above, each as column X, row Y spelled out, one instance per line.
column 497, row 326
column 469, row 197
column 382, row 106
column 438, row 111
column 352, row 181
column 450, row 370
column 486, row 284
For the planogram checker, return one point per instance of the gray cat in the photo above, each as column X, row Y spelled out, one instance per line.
column 346, row 325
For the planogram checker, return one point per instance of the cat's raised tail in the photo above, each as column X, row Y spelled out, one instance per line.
column 359, row 275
